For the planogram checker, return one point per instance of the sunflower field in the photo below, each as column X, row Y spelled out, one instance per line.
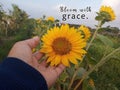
column 91, row 55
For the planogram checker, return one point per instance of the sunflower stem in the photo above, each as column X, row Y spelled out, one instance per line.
column 74, row 75
column 77, row 69
column 90, row 43
column 102, row 61
column 58, row 86
column 94, row 35
column 72, row 80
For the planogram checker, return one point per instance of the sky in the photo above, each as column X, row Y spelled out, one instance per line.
column 38, row 8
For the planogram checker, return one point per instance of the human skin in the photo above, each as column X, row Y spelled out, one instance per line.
column 23, row 51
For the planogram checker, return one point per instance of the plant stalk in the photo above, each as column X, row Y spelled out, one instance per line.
column 94, row 35
column 102, row 61
column 92, row 39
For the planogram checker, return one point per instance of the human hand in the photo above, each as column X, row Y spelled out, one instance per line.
column 23, row 51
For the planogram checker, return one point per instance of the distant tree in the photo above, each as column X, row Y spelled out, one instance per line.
column 3, row 22
column 1, row 12
column 18, row 16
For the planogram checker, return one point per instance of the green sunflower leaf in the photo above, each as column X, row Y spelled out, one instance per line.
column 105, row 40
column 98, row 18
column 80, row 73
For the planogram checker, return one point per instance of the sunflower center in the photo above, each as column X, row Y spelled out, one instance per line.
column 61, row 46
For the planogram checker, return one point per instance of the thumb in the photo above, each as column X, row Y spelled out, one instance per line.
column 32, row 43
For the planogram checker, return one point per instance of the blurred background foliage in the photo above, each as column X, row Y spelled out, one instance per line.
column 16, row 25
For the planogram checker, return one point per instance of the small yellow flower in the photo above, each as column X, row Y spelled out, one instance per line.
column 63, row 45
column 44, row 26
column 91, row 82
column 85, row 31
column 38, row 20
column 51, row 19
column 109, row 11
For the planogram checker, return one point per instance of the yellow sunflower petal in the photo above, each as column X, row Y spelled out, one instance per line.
column 65, row 61
column 76, row 55
column 51, row 19
column 52, row 63
column 50, row 59
column 57, row 60
column 73, row 60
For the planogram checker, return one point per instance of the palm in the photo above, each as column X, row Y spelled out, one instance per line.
column 24, row 52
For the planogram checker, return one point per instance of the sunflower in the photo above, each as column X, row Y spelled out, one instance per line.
column 51, row 19
column 63, row 45
column 85, row 31
column 109, row 11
